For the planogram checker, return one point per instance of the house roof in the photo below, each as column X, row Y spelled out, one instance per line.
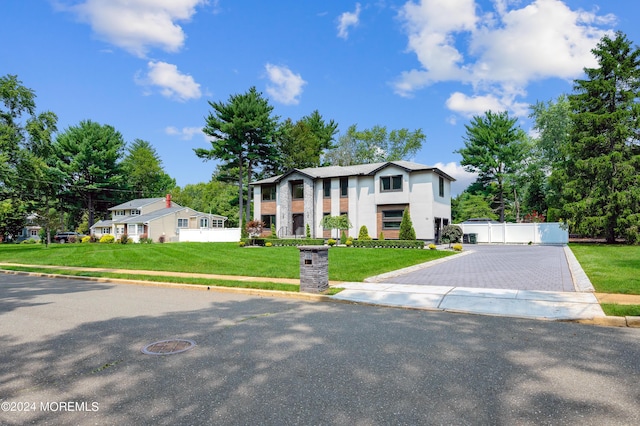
column 146, row 218
column 137, row 203
column 355, row 170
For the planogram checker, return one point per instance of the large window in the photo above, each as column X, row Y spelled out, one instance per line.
column 326, row 187
column 391, row 219
column 391, row 183
column 183, row 223
column 297, row 190
column 268, row 193
column 344, row 187
column 268, row 219
column 204, row 222
column 441, row 186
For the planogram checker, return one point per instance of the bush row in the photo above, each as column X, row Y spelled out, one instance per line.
column 389, row 244
column 281, row 242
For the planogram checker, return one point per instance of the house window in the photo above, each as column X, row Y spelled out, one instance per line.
column 391, row 183
column 391, row 219
column 326, row 187
column 106, row 231
column 135, row 213
column 34, row 232
column 183, row 223
column 344, row 187
column 204, row 222
column 120, row 230
column 268, row 219
column 217, row 223
column 297, row 190
column 268, row 193
column 441, row 186
column 119, row 212
column 135, row 229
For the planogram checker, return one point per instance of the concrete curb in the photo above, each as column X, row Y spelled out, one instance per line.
column 581, row 281
column 633, row 322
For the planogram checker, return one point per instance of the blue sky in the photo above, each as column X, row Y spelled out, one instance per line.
column 149, row 67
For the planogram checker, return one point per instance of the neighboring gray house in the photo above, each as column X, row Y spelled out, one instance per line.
column 374, row 195
column 155, row 218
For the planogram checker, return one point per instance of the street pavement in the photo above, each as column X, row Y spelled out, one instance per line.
column 539, row 281
column 71, row 354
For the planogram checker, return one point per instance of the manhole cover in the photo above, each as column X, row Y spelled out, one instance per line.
column 168, row 347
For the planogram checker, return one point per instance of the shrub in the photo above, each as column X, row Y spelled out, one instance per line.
column 406, row 227
column 241, row 243
column 73, row 239
column 381, row 236
column 308, row 231
column 331, row 241
column 29, row 241
column 144, row 239
column 124, row 239
column 363, row 235
column 285, row 242
column 161, row 239
column 349, row 243
column 432, row 246
column 86, row 239
column 254, row 227
column 107, row 239
column 268, row 244
column 274, row 234
column 451, row 234
column 389, row 244
column 457, row 247
column 343, row 238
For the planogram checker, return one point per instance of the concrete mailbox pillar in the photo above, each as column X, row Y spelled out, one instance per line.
column 314, row 268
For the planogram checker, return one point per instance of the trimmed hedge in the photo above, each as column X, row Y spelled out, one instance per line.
column 414, row 244
column 281, row 242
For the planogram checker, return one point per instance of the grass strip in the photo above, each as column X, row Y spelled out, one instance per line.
column 616, row 310
column 259, row 285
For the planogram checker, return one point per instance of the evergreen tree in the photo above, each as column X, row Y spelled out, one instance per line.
column 406, row 227
column 601, row 190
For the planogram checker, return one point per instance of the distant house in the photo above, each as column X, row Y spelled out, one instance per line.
column 31, row 230
column 373, row 195
column 155, row 218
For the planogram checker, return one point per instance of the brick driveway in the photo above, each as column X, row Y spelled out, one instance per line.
column 516, row 267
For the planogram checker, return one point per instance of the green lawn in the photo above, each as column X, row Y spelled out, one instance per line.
column 345, row 264
column 611, row 268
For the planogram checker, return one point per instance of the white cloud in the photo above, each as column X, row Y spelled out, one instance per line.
column 348, row 20
column 137, row 25
column 186, row 133
column 463, row 178
column 496, row 53
column 285, row 87
column 170, row 81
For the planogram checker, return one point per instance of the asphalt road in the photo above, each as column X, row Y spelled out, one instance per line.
column 71, row 354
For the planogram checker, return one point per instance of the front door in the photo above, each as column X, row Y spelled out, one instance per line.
column 436, row 229
column 298, row 224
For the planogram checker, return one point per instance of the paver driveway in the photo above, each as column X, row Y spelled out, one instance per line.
column 515, row 267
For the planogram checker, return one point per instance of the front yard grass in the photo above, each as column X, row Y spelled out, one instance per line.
column 345, row 264
column 611, row 268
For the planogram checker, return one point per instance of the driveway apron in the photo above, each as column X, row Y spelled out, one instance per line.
column 511, row 267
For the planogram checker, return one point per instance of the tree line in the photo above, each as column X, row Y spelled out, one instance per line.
column 582, row 164
column 67, row 180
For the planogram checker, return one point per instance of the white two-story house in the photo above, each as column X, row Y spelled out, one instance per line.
column 155, row 218
column 373, row 195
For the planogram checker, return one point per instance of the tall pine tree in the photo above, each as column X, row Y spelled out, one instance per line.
column 602, row 180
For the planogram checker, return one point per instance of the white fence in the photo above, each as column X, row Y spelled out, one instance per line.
column 517, row 233
column 210, row 235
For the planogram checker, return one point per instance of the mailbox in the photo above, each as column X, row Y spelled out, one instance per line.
column 314, row 268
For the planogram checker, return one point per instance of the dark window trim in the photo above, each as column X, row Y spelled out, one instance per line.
column 391, row 222
column 392, row 180
column 344, row 187
column 441, row 186
column 294, row 185
column 271, row 191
